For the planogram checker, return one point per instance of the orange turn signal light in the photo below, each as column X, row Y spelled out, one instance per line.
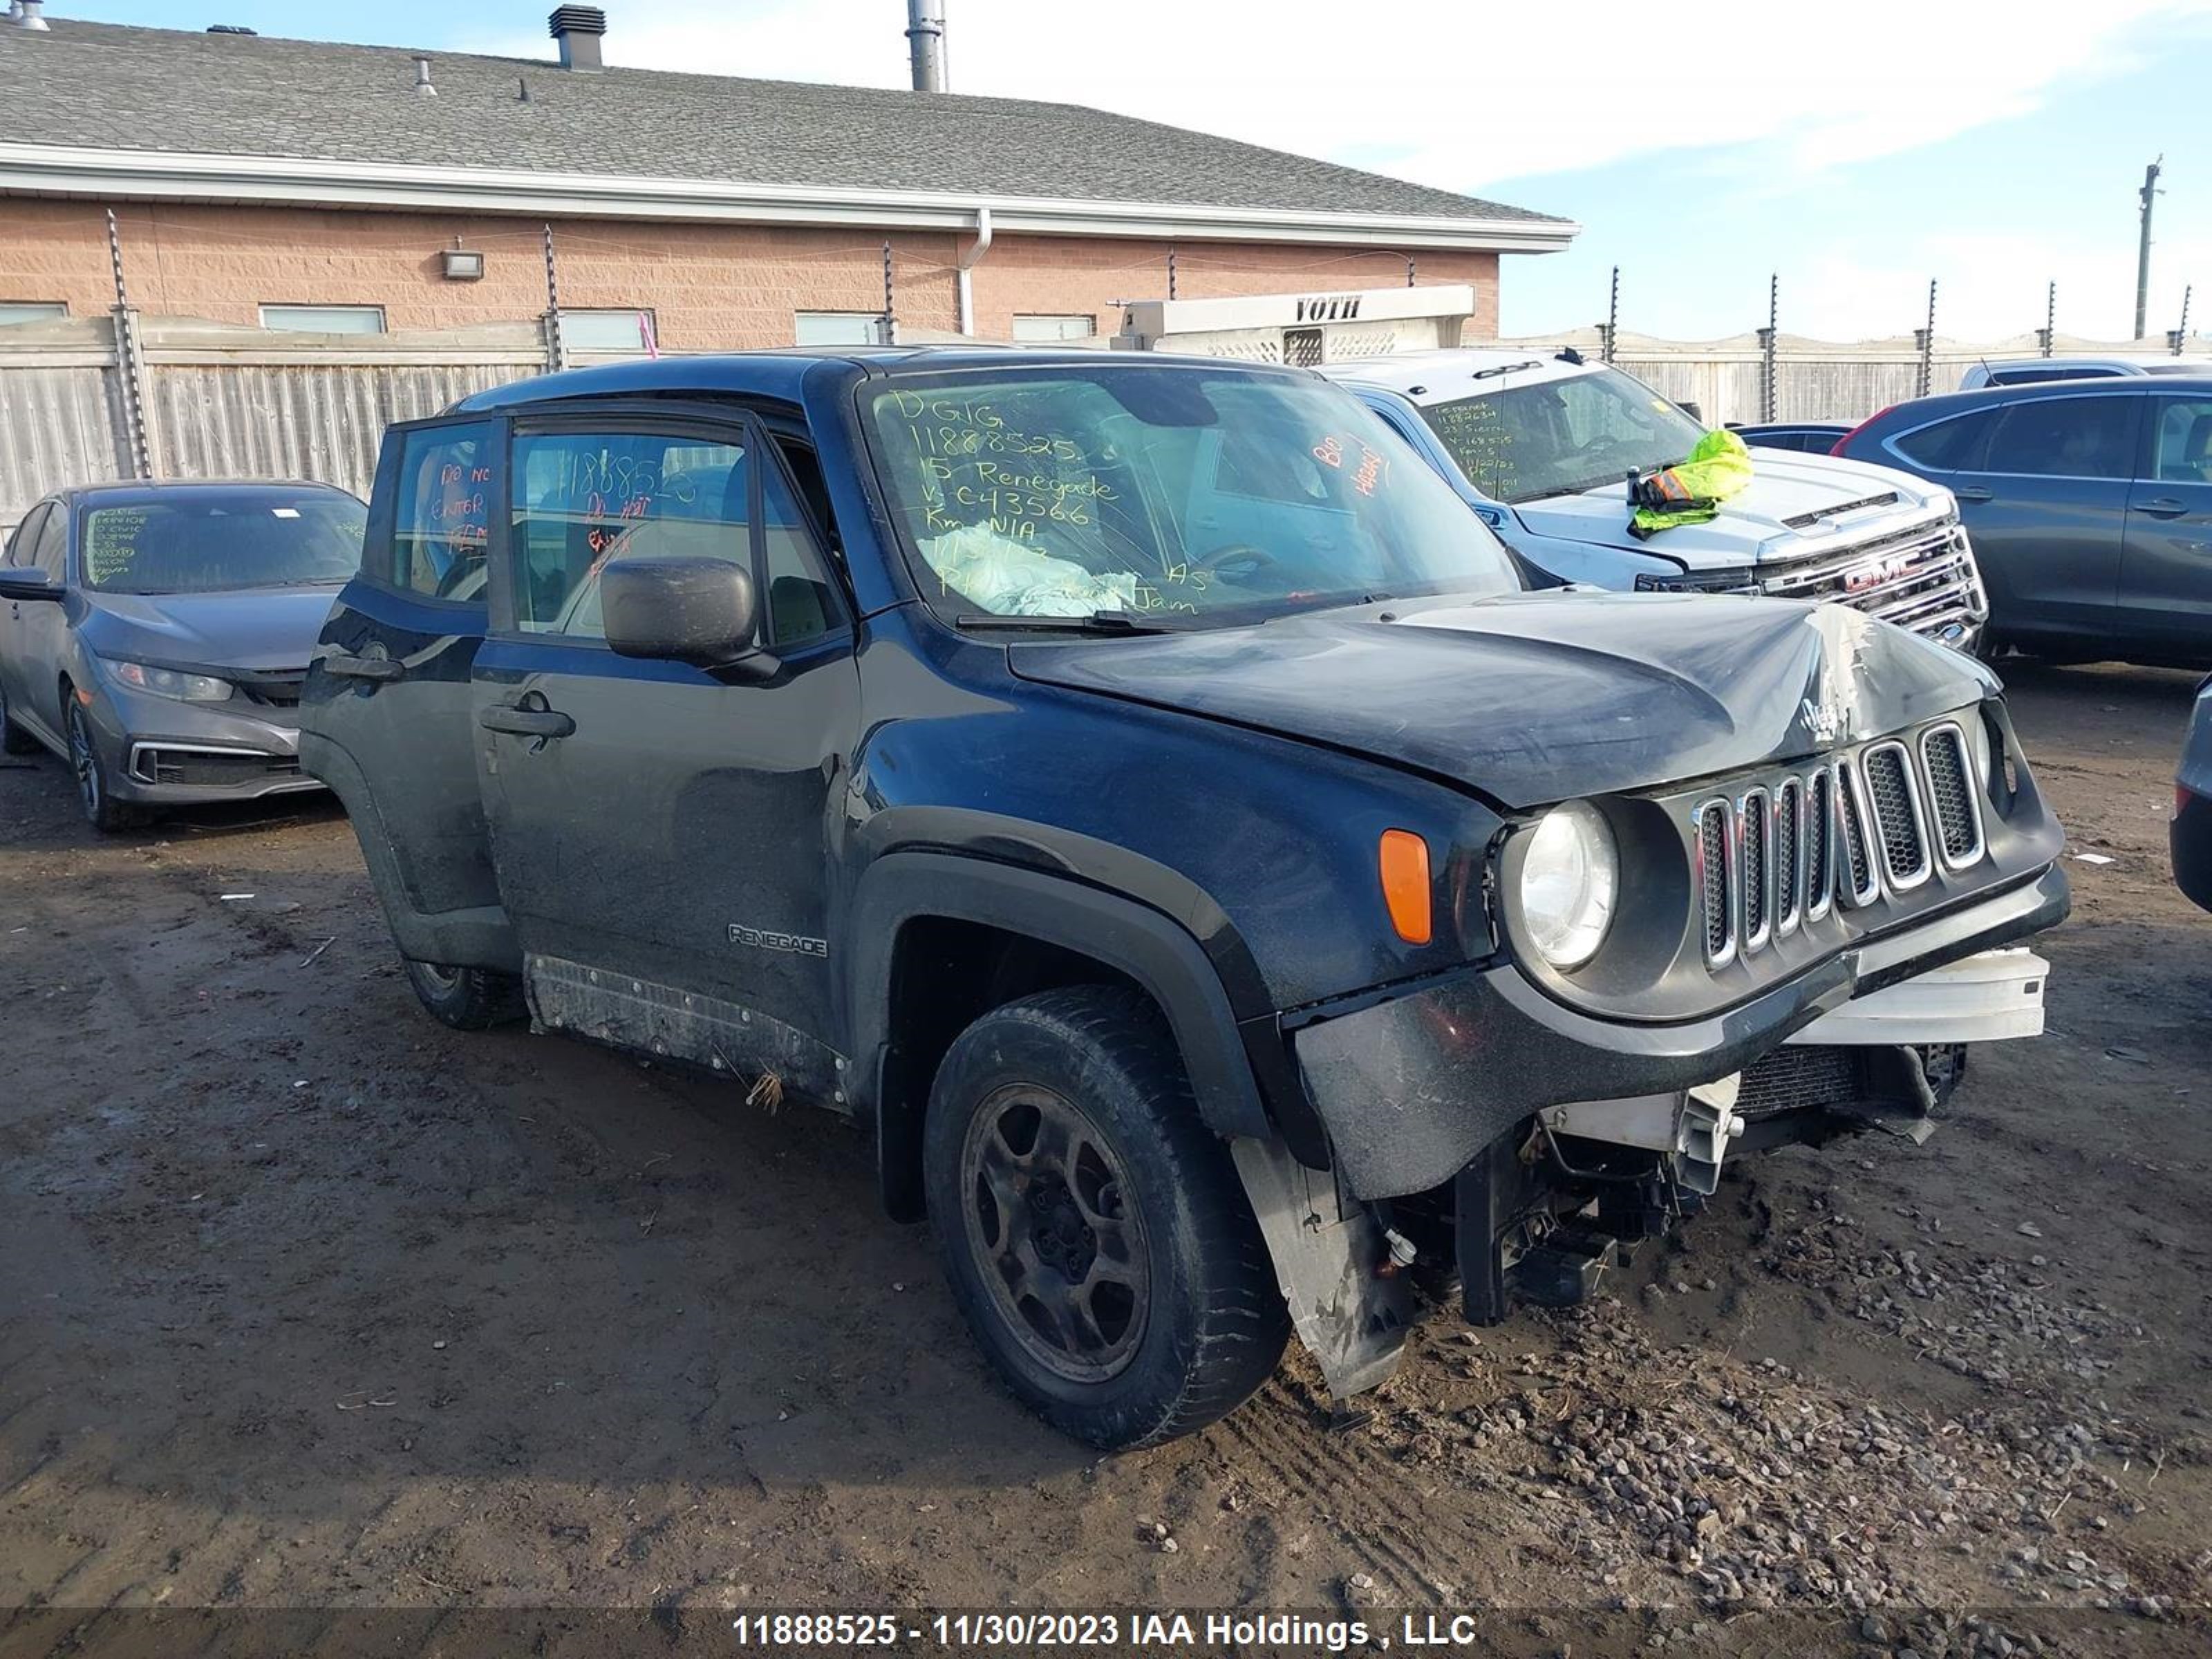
column 1404, row 861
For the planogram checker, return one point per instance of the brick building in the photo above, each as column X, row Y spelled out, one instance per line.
column 298, row 184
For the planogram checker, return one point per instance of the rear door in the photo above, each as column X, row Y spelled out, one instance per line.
column 385, row 715
column 2166, row 573
column 2045, row 500
column 665, row 828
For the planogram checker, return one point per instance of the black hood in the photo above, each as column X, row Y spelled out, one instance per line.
column 1537, row 697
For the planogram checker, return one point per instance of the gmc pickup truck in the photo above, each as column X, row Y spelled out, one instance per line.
column 1142, row 796
column 1541, row 447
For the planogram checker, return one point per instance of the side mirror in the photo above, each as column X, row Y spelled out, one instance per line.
column 702, row 612
column 1691, row 410
column 22, row 584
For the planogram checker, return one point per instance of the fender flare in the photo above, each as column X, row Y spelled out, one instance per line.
column 1150, row 948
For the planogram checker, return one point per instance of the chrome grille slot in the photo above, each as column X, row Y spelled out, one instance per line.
column 1789, row 841
column 1951, row 798
column 1715, row 885
column 1820, row 825
column 1859, row 881
column 1754, row 862
column 1898, row 825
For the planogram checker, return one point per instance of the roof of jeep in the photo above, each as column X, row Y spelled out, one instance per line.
column 782, row 373
column 1454, row 372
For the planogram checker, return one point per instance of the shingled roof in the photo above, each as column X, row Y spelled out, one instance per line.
column 102, row 87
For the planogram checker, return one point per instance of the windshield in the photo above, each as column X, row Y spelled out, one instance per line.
column 208, row 542
column 1178, row 494
column 1562, row 437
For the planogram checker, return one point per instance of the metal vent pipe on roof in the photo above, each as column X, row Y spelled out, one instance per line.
column 27, row 14
column 925, row 35
column 578, row 28
column 422, row 87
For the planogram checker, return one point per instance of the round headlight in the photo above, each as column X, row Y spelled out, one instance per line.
column 1569, row 878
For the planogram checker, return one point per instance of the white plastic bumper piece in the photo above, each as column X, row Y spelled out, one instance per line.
column 1979, row 998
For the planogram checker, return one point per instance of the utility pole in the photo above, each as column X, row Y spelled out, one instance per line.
column 1613, row 317
column 2049, row 331
column 1767, row 401
column 2150, row 194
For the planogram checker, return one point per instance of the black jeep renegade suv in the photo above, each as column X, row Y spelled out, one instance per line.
column 1141, row 794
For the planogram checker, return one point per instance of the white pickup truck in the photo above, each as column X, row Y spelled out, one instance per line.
column 1541, row 447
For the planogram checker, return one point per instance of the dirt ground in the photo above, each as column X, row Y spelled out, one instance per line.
column 306, row 1301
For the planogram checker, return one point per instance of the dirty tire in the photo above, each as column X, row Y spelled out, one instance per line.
column 102, row 810
column 14, row 740
column 1209, row 1323
column 467, row 998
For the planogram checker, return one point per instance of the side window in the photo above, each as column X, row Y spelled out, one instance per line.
column 2181, row 440
column 52, row 554
column 1954, row 445
column 584, row 498
column 448, row 484
column 801, row 604
column 2064, row 438
column 22, row 544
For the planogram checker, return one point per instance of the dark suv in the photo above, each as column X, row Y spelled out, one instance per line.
column 2090, row 505
column 1140, row 794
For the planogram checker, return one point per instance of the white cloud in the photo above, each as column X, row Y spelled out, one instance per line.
column 1453, row 94
column 1461, row 96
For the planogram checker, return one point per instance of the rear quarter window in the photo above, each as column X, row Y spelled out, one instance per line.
column 445, row 486
column 1953, row 445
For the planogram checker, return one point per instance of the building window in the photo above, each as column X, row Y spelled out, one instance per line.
column 324, row 319
column 840, row 328
column 633, row 331
column 31, row 311
column 1030, row 331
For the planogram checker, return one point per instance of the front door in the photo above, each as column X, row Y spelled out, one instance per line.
column 2165, row 573
column 663, row 833
column 385, row 715
column 14, row 631
column 42, row 631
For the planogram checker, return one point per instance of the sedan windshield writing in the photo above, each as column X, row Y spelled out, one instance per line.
column 1179, row 494
column 212, row 544
column 1561, row 437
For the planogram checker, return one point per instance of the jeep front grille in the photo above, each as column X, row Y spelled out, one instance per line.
column 1774, row 857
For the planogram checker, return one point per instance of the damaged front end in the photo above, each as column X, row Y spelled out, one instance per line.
column 1801, row 951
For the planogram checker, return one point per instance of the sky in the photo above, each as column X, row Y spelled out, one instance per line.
column 1855, row 152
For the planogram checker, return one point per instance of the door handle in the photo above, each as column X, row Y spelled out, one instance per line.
column 539, row 723
column 381, row 669
column 1975, row 493
column 2162, row 507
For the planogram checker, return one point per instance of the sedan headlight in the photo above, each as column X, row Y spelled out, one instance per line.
column 1570, row 880
column 171, row 681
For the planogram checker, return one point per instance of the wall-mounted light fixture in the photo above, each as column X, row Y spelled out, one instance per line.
column 463, row 265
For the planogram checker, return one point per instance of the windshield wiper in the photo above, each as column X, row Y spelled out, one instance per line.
column 1098, row 622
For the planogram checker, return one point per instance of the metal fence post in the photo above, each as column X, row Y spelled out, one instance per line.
column 129, row 361
column 1770, row 402
column 888, row 328
column 556, row 347
column 1925, row 339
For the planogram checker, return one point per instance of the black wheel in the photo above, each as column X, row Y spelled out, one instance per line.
column 102, row 809
column 14, row 740
column 1094, row 1229
column 467, row 998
